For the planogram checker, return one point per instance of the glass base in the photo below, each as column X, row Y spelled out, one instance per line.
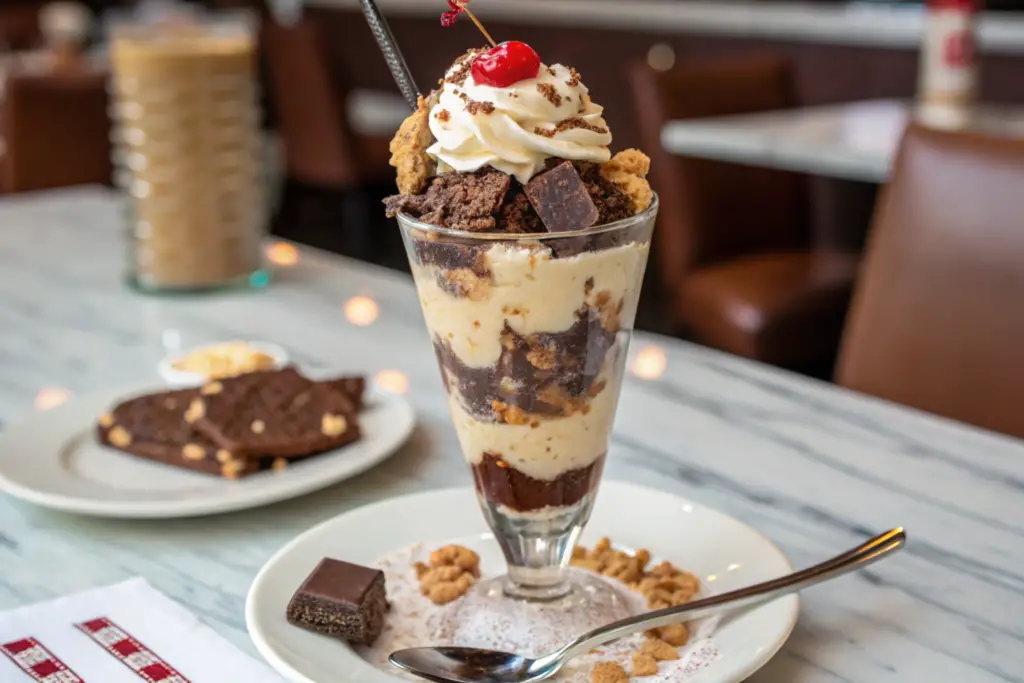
column 257, row 279
column 487, row 617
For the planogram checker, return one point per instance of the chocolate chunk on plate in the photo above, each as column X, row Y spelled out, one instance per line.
column 341, row 600
column 273, row 413
column 561, row 199
column 153, row 427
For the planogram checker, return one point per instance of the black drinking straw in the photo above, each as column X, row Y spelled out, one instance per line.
column 392, row 55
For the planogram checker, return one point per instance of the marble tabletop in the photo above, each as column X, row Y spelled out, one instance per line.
column 815, row 468
column 853, row 141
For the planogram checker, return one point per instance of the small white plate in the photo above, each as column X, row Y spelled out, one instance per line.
column 725, row 553
column 180, row 379
column 52, row 459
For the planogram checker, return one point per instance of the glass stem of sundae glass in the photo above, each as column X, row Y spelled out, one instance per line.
column 538, row 551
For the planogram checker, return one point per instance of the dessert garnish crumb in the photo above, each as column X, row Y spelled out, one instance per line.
column 474, row 107
column 509, row 414
column 451, row 572
column 644, row 664
column 569, row 124
column 628, row 171
column 664, row 585
column 409, row 151
column 659, row 650
column 608, row 672
column 550, row 93
column 676, row 634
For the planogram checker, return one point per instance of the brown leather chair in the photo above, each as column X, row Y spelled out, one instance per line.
column 328, row 206
column 56, row 129
column 310, row 106
column 937, row 320
column 733, row 243
column 19, row 25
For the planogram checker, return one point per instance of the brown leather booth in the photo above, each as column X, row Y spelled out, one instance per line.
column 56, row 129
column 733, row 243
column 19, row 25
column 309, row 102
column 937, row 321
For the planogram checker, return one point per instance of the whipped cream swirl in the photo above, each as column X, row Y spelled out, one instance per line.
column 514, row 129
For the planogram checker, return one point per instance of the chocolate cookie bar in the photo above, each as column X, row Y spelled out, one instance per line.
column 154, row 427
column 341, row 600
column 353, row 387
column 273, row 413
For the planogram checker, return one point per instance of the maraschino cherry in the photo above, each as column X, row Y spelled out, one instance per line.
column 505, row 64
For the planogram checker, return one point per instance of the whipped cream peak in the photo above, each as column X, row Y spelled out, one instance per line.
column 516, row 128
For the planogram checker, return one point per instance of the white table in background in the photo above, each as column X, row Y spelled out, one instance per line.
column 814, row 467
column 851, row 141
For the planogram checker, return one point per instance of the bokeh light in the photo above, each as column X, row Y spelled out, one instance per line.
column 394, row 381
column 361, row 310
column 649, row 363
column 51, row 397
column 282, row 254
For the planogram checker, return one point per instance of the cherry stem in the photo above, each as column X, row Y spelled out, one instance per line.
column 478, row 25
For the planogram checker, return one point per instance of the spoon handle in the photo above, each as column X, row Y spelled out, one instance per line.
column 856, row 558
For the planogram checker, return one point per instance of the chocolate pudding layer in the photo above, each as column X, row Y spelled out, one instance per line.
column 543, row 373
column 507, row 487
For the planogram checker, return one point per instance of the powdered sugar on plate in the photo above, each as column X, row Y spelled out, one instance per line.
column 414, row 621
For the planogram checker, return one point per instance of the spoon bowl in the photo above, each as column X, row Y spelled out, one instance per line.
column 467, row 665
column 473, row 665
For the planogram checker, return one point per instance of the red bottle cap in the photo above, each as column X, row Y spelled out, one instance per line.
column 965, row 5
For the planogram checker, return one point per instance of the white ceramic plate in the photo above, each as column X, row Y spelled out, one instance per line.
column 693, row 537
column 52, row 459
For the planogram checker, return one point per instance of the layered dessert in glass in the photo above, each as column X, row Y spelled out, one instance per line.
column 528, row 241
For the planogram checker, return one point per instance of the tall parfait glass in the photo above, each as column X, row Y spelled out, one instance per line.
column 531, row 333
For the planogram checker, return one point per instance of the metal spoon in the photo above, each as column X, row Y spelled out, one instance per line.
column 471, row 665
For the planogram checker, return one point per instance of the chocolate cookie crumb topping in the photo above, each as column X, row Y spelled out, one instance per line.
column 550, row 93
column 474, row 107
column 443, row 115
column 464, row 65
column 569, row 124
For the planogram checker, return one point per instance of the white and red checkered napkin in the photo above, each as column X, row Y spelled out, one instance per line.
column 126, row 633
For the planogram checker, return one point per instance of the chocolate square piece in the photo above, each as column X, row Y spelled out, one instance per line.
column 273, row 413
column 561, row 199
column 341, row 600
column 153, row 427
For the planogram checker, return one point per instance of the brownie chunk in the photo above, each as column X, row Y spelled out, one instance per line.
column 352, row 387
column 274, row 413
column 560, row 198
column 154, row 427
column 463, row 201
column 612, row 203
column 341, row 600
column 518, row 215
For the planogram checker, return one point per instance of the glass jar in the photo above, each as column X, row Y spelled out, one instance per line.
column 188, row 150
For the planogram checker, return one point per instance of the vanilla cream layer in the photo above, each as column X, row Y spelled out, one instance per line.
column 549, row 450
column 532, row 292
